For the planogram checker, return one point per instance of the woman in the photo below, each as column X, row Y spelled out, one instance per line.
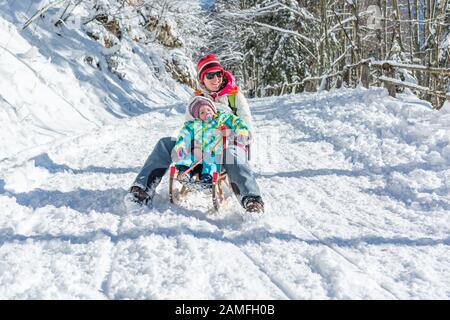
column 218, row 85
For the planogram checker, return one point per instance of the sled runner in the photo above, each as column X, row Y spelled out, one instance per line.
column 216, row 189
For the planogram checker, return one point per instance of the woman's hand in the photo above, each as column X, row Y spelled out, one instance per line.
column 242, row 139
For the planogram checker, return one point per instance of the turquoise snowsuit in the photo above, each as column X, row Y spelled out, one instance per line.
column 207, row 135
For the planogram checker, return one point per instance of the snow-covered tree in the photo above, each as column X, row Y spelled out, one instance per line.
column 264, row 43
column 168, row 31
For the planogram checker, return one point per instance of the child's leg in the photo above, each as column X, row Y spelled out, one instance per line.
column 211, row 163
column 182, row 166
column 207, row 173
column 209, row 168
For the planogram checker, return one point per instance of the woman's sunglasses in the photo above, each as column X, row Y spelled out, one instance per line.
column 211, row 75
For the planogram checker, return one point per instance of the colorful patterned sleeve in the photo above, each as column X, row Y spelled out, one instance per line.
column 183, row 143
column 239, row 127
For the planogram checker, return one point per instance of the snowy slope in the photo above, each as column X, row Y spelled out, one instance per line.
column 51, row 86
column 356, row 186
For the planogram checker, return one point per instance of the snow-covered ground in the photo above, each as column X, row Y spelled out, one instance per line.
column 356, row 186
column 54, row 81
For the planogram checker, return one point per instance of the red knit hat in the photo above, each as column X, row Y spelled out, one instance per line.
column 207, row 64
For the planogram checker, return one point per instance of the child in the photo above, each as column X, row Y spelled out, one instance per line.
column 203, row 132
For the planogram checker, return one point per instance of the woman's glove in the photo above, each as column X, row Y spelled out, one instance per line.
column 242, row 139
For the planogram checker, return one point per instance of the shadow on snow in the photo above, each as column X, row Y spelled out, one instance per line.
column 44, row 161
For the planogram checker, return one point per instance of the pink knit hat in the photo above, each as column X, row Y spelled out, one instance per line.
column 197, row 102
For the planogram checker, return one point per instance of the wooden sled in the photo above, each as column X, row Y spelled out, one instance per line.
column 216, row 189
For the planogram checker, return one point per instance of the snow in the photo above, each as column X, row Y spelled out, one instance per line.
column 356, row 186
column 51, row 86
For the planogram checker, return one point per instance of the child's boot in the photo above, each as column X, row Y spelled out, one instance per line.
column 206, row 181
column 184, row 178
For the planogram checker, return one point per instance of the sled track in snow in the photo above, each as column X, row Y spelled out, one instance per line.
column 274, row 279
column 349, row 260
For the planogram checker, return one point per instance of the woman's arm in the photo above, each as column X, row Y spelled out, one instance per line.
column 243, row 110
column 239, row 127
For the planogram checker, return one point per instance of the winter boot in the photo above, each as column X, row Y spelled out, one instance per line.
column 139, row 195
column 206, row 181
column 253, row 204
column 186, row 178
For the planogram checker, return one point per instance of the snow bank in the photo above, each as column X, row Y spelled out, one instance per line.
column 404, row 139
column 55, row 82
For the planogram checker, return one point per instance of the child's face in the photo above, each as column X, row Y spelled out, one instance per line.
column 205, row 112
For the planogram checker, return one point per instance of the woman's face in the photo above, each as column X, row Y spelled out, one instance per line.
column 215, row 82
